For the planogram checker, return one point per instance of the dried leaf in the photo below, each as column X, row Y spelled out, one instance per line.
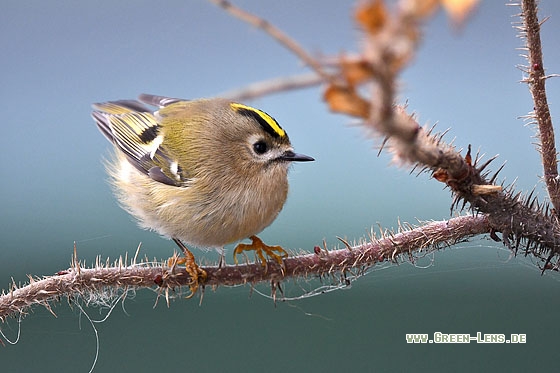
column 346, row 100
column 441, row 175
column 356, row 72
column 468, row 157
column 482, row 190
column 422, row 8
column 372, row 16
column 459, row 10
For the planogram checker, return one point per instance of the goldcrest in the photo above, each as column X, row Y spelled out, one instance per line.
column 205, row 172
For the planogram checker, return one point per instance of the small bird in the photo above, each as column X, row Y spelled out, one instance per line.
column 205, row 173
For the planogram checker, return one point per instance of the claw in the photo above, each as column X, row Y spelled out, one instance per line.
column 258, row 246
column 197, row 274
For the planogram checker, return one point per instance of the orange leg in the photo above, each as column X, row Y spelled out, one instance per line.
column 258, row 246
column 197, row 274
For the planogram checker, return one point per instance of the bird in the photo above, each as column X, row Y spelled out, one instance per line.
column 204, row 172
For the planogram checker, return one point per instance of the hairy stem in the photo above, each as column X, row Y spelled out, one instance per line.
column 390, row 246
column 536, row 80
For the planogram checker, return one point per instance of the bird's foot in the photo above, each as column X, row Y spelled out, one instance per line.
column 197, row 274
column 259, row 247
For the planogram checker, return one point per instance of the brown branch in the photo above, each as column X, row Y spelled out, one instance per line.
column 536, row 79
column 520, row 218
column 78, row 281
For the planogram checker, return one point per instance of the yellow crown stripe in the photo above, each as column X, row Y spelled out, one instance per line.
column 271, row 124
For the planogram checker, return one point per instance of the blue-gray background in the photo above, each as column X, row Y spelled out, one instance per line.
column 60, row 56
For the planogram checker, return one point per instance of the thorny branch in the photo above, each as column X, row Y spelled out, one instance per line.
column 390, row 41
column 536, row 78
column 390, row 246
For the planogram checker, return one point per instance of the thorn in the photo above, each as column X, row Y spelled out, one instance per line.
column 202, row 287
column 75, row 260
column 136, row 254
column 544, row 20
column 493, row 178
column 547, row 262
column 485, row 164
column 381, row 231
column 383, row 143
column 444, row 132
column 48, row 307
column 273, row 291
column 494, row 236
column 531, row 194
column 325, row 246
column 345, row 243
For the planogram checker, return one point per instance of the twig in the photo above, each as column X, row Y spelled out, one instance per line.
column 271, row 86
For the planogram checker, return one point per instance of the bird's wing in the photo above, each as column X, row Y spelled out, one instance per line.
column 134, row 129
column 160, row 101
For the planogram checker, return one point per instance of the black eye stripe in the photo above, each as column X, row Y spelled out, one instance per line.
column 259, row 119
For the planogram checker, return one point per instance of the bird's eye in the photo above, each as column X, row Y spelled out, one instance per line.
column 260, row 147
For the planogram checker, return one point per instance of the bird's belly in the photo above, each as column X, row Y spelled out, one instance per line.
column 215, row 223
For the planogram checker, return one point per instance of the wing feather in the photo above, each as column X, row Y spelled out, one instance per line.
column 134, row 129
column 160, row 101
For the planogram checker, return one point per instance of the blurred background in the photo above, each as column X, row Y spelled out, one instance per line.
column 58, row 57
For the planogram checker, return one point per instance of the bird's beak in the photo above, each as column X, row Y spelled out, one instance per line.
column 290, row 156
